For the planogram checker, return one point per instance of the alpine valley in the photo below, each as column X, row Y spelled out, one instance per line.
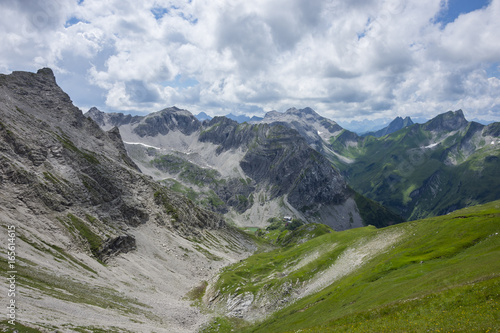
column 286, row 223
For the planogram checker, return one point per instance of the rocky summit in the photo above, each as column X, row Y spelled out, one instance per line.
column 395, row 125
column 313, row 127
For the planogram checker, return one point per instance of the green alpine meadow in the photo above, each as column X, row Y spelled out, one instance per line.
column 439, row 274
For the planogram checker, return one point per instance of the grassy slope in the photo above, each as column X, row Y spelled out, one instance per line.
column 442, row 275
column 254, row 270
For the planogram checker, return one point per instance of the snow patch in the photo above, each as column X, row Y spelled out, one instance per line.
column 432, row 145
column 140, row 143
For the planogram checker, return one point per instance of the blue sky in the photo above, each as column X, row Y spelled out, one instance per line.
column 457, row 7
column 366, row 59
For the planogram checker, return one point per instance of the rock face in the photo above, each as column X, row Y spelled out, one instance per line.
column 250, row 172
column 171, row 119
column 68, row 161
column 283, row 158
column 447, row 122
column 116, row 245
column 228, row 134
column 316, row 129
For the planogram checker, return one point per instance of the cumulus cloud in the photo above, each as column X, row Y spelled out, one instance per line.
column 347, row 60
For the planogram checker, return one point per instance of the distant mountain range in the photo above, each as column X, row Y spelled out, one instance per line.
column 416, row 170
column 365, row 125
column 249, row 172
column 243, row 118
column 403, row 166
column 362, row 127
column 424, row 169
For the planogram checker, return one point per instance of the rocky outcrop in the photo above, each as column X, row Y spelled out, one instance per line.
column 315, row 129
column 447, row 122
column 166, row 120
column 116, row 245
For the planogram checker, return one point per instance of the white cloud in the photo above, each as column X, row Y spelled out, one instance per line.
column 347, row 60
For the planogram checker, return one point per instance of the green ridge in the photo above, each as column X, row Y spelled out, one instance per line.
column 417, row 182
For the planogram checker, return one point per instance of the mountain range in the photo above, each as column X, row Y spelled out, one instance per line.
column 242, row 118
column 415, row 170
column 425, row 169
column 238, row 118
column 405, row 167
column 164, row 223
column 248, row 172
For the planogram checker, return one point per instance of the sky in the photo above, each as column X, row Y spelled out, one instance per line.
column 348, row 60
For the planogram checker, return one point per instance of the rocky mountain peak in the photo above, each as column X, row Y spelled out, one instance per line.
column 40, row 90
column 271, row 114
column 166, row 120
column 408, row 120
column 312, row 126
column 176, row 111
column 395, row 125
column 302, row 112
column 94, row 111
column 47, row 73
column 97, row 115
column 294, row 114
column 449, row 121
column 399, row 123
column 203, row 116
